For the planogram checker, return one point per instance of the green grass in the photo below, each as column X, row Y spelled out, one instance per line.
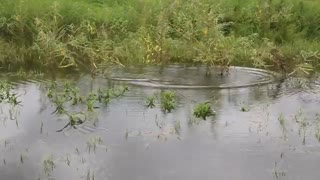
column 203, row 110
column 86, row 33
column 167, row 99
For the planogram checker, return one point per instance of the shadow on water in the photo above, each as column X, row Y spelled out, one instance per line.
column 126, row 140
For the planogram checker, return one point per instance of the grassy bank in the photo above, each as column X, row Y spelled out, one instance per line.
column 86, row 33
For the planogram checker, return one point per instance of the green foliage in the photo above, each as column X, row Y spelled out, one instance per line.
column 85, row 33
column 68, row 94
column 91, row 99
column 150, row 102
column 203, row 110
column 59, row 103
column 6, row 94
column 167, row 101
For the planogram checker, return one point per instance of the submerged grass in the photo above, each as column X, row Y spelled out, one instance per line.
column 85, row 33
column 48, row 165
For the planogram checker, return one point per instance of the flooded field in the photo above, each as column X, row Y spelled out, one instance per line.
column 118, row 125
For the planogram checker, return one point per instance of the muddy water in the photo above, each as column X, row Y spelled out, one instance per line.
column 139, row 143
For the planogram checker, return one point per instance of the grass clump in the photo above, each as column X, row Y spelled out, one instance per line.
column 167, row 101
column 203, row 110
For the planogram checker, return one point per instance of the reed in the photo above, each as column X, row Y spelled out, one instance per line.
column 83, row 34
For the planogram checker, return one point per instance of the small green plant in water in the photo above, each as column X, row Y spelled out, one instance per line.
column 120, row 92
column 67, row 87
column 75, row 96
column 104, row 97
column 59, row 101
column 50, row 93
column 6, row 95
column 167, row 101
column 53, row 86
column 100, row 96
column 74, row 120
column 245, row 108
column 91, row 99
column 203, row 110
column 150, row 102
column 51, row 90
column 13, row 99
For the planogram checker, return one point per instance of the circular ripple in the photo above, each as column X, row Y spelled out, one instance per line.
column 179, row 77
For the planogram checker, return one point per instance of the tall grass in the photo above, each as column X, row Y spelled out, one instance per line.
column 85, row 33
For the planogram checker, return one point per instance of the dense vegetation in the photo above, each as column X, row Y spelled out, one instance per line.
column 87, row 33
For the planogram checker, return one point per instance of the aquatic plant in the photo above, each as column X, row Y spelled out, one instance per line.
column 50, row 93
column 59, row 103
column 6, row 94
column 100, row 95
column 167, row 101
column 244, row 107
column 203, row 110
column 150, row 102
column 52, row 90
column 120, row 91
column 107, row 96
column 53, row 85
column 91, row 99
column 301, row 120
column 67, row 88
column 75, row 96
column 13, row 99
column 74, row 120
